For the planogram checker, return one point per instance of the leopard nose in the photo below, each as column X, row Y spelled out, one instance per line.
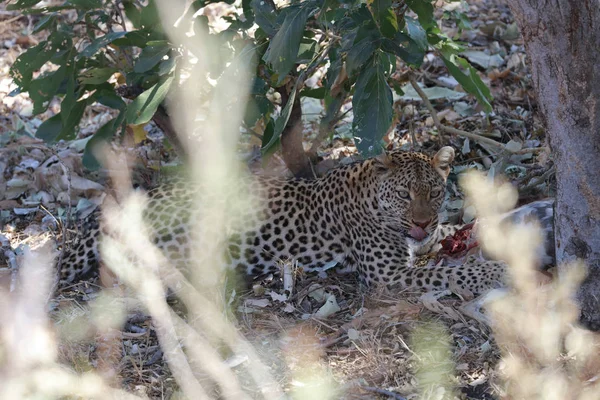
column 421, row 223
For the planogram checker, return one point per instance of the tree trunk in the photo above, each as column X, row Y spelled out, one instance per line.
column 162, row 119
column 292, row 148
column 562, row 39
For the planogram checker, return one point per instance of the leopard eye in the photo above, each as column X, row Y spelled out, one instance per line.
column 404, row 194
column 435, row 193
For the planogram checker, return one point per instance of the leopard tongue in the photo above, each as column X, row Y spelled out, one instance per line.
column 418, row 233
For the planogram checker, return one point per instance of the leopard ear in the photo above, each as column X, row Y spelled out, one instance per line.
column 384, row 161
column 442, row 161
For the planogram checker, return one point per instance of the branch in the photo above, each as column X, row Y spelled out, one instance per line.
column 162, row 119
column 314, row 65
column 460, row 132
column 327, row 33
column 124, row 26
column 326, row 125
column 383, row 392
column 532, row 150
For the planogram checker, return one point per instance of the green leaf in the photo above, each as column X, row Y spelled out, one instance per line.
column 142, row 109
column 367, row 40
column 361, row 15
column 157, row 43
column 335, row 67
column 416, row 32
column 283, row 48
column 372, row 106
column 258, row 105
column 405, row 48
column 384, row 15
column 60, row 127
column 281, row 122
column 265, row 16
column 112, row 100
column 132, row 13
column 149, row 17
column 96, row 76
column 35, row 57
column 307, row 50
column 20, row 4
column 102, row 136
column 44, row 22
column 470, row 82
column 397, row 88
column 268, row 135
column 86, row 4
column 449, row 48
column 44, row 88
column 166, row 66
column 248, row 11
column 134, row 38
column 332, row 108
column 463, row 21
column 100, row 42
column 49, row 130
column 424, row 10
column 72, row 121
column 318, row 93
column 149, row 57
column 71, row 96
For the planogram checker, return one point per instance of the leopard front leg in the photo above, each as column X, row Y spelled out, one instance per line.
column 473, row 277
column 379, row 265
column 476, row 277
column 432, row 245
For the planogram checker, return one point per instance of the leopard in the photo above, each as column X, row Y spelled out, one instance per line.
column 372, row 216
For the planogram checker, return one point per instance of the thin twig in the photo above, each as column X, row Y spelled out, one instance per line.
column 411, row 129
column 325, row 127
column 329, row 34
column 475, row 137
column 532, row 150
column 383, row 392
column 8, row 21
column 434, row 116
column 92, row 26
column 312, row 67
column 67, row 172
column 254, row 133
column 443, row 128
column 11, row 259
column 535, row 181
column 124, row 26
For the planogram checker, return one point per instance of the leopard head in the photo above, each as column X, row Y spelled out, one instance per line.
column 411, row 190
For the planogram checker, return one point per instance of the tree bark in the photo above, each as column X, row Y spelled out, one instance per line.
column 162, row 119
column 562, row 39
column 292, row 147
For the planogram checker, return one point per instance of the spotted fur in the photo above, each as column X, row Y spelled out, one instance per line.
column 372, row 216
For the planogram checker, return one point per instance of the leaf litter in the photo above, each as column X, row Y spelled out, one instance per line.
column 361, row 340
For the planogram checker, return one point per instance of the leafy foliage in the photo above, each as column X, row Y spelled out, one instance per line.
column 371, row 101
column 124, row 45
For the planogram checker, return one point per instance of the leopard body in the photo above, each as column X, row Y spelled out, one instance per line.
column 372, row 216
